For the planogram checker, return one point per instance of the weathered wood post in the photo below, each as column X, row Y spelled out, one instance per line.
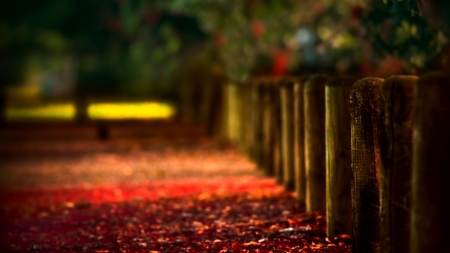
column 314, row 116
column 287, row 133
column 431, row 165
column 245, row 118
column 338, row 159
column 232, row 109
column 257, row 123
column 217, row 125
column 396, row 156
column 299, row 139
column 267, row 126
column 262, row 121
column 206, row 106
column 365, row 156
column 276, row 131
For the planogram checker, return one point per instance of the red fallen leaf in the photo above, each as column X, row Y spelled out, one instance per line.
column 251, row 243
column 240, row 214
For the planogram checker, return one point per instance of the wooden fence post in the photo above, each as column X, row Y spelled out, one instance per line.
column 338, row 159
column 256, row 122
column 247, row 119
column 206, row 106
column 299, row 140
column 431, row 165
column 232, row 109
column 314, row 123
column 396, row 156
column 277, row 130
column 365, row 156
column 287, row 132
column 267, row 125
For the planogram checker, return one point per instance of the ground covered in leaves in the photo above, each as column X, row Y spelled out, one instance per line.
column 149, row 188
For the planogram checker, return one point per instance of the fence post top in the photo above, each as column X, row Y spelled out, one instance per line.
column 434, row 78
column 341, row 81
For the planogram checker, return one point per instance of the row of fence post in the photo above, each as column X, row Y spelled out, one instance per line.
column 372, row 153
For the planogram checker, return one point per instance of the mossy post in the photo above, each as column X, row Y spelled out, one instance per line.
column 338, row 156
column 314, row 123
column 299, row 139
column 431, row 164
column 396, row 156
column 365, row 157
column 287, row 133
column 231, row 130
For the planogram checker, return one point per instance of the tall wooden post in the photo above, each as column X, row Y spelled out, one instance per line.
column 431, row 165
column 396, row 157
column 299, row 139
column 277, row 130
column 206, row 106
column 338, row 159
column 287, row 132
column 232, row 109
column 314, row 118
column 267, row 125
column 261, row 121
column 365, row 156
column 239, row 118
column 257, row 124
column 246, row 118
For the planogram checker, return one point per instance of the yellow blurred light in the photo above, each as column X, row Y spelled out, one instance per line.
column 138, row 110
column 45, row 112
column 324, row 32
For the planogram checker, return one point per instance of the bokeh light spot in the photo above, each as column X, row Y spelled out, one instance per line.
column 64, row 111
column 136, row 110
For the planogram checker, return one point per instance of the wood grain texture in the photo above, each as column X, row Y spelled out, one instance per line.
column 287, row 132
column 299, row 140
column 396, row 156
column 431, row 164
column 277, row 159
column 267, row 124
column 365, row 157
column 338, row 156
column 314, row 124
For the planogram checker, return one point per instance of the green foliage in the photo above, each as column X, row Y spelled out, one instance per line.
column 396, row 28
column 136, row 45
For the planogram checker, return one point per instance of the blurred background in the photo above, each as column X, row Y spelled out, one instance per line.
column 111, row 59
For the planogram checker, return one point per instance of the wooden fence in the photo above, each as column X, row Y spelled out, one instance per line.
column 370, row 152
